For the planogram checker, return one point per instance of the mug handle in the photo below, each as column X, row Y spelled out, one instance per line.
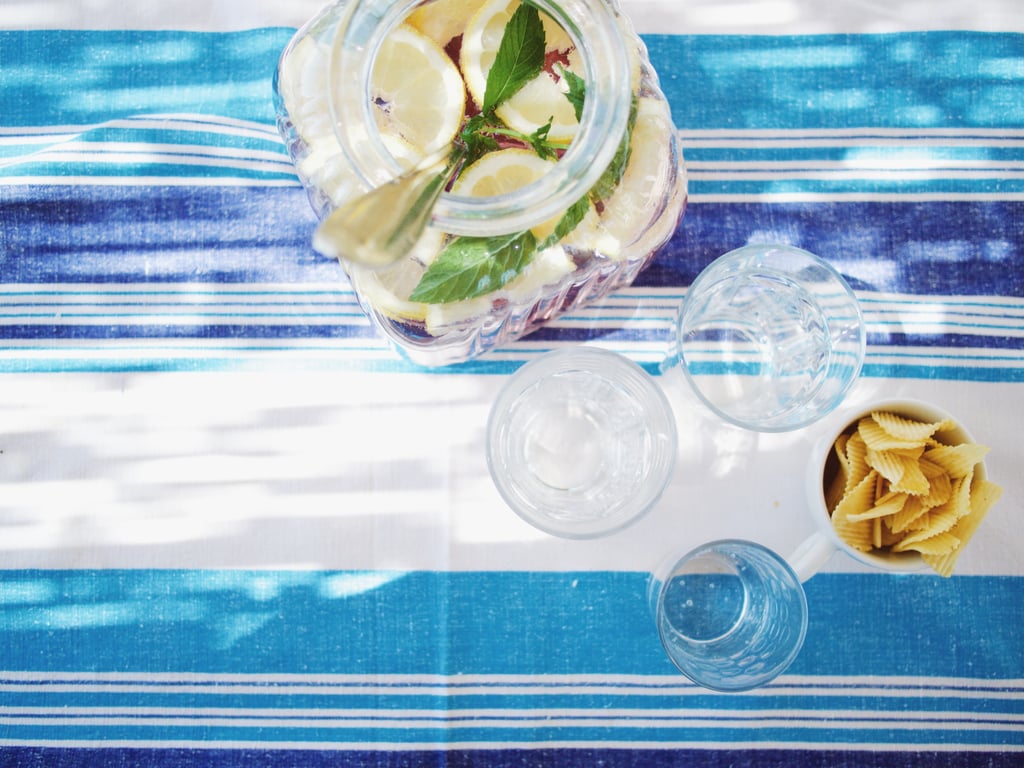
column 811, row 555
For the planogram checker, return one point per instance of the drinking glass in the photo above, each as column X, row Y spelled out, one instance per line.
column 732, row 615
column 770, row 337
column 581, row 442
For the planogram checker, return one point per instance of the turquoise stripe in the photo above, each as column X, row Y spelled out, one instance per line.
column 129, row 172
column 919, row 80
column 943, row 372
column 530, row 623
column 489, row 733
column 172, row 134
column 214, row 358
column 115, row 74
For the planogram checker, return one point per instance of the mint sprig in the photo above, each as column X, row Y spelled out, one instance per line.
column 469, row 267
column 472, row 266
column 520, row 57
column 577, row 90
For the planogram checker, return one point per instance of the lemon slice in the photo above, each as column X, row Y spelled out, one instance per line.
column 418, row 91
column 549, row 266
column 541, row 99
column 443, row 20
column 503, row 171
column 631, row 206
column 388, row 290
column 500, row 172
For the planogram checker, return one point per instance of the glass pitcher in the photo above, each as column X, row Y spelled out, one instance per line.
column 603, row 202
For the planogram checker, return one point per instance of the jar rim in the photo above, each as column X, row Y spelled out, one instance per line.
column 594, row 28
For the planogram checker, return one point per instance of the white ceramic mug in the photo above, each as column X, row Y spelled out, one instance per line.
column 812, row 554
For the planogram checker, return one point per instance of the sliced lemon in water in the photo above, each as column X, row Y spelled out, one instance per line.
column 504, row 171
column 418, row 92
column 542, row 98
column 443, row 20
column 628, row 211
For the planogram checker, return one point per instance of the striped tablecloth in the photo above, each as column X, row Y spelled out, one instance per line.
column 236, row 528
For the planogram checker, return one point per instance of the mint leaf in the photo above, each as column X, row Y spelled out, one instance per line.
column 474, row 139
column 569, row 221
column 539, row 141
column 612, row 175
column 472, row 266
column 577, row 90
column 520, row 57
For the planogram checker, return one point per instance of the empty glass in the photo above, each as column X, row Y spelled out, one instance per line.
column 732, row 615
column 770, row 337
column 581, row 442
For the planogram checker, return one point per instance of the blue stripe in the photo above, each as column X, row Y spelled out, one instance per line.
column 944, row 373
column 156, row 361
column 147, row 168
column 945, row 341
column 785, row 186
column 587, row 757
column 952, row 249
column 594, row 622
column 115, row 74
column 914, row 81
column 115, row 234
column 743, row 81
column 488, row 735
column 201, row 330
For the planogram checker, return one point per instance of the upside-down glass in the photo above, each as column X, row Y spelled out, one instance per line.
column 731, row 615
column 581, row 442
column 326, row 116
column 770, row 337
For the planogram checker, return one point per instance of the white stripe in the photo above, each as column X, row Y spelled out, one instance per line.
column 190, row 317
column 176, row 289
column 791, row 140
column 199, row 124
column 975, row 357
column 660, row 297
column 890, row 163
column 656, row 685
column 147, row 181
column 518, row 717
column 857, row 174
column 201, row 121
column 194, row 120
column 822, row 722
column 33, row 140
column 88, row 149
column 865, row 131
column 215, row 350
column 58, row 154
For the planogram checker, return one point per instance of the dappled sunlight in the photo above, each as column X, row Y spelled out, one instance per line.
column 276, row 470
column 695, row 16
column 213, row 612
column 187, row 14
column 811, row 17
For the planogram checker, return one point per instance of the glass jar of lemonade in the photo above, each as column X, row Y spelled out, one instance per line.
column 564, row 175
